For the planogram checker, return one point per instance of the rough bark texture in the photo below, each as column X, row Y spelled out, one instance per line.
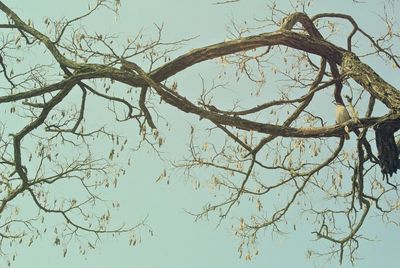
column 371, row 81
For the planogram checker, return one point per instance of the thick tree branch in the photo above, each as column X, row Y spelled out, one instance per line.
column 371, row 81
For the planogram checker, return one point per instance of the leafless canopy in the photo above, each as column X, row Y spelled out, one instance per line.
column 278, row 152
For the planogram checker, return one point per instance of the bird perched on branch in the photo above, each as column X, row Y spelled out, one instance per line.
column 342, row 115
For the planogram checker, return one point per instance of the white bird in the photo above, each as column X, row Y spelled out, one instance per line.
column 342, row 115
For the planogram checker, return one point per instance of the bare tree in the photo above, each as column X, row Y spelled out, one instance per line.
column 280, row 154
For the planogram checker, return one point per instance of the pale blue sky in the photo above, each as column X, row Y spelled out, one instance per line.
column 178, row 241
